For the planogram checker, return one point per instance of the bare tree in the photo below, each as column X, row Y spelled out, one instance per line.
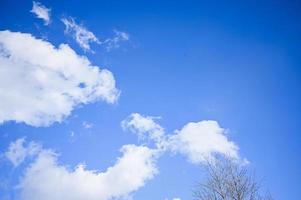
column 228, row 180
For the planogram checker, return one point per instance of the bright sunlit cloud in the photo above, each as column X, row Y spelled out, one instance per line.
column 144, row 126
column 129, row 173
column 201, row 141
column 43, row 85
column 198, row 141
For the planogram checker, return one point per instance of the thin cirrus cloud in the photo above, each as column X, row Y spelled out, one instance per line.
column 114, row 42
column 87, row 125
column 41, row 12
column 43, row 85
column 81, row 34
column 131, row 171
column 17, row 151
column 198, row 141
column 85, row 37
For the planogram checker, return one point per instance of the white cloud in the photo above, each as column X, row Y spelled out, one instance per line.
column 113, row 43
column 72, row 134
column 41, row 84
column 128, row 174
column 87, row 125
column 200, row 141
column 144, row 127
column 84, row 37
column 18, row 151
column 80, row 33
column 41, row 12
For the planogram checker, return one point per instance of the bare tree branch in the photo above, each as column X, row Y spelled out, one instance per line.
column 228, row 180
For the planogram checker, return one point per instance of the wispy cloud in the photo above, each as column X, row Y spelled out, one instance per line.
column 81, row 34
column 17, row 151
column 87, row 125
column 41, row 12
column 54, row 80
column 85, row 37
column 114, row 42
column 145, row 127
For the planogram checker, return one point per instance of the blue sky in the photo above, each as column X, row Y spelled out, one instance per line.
column 232, row 62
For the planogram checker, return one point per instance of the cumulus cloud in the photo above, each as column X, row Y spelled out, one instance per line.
column 144, row 127
column 41, row 12
column 46, row 179
column 18, row 151
column 114, row 42
column 198, row 141
column 41, row 84
column 80, row 33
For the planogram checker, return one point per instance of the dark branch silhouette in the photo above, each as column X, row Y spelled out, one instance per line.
column 228, row 180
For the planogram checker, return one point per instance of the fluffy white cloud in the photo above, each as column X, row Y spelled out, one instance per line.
column 41, row 12
column 41, row 84
column 199, row 141
column 45, row 179
column 144, row 127
column 114, row 42
column 17, row 151
column 80, row 33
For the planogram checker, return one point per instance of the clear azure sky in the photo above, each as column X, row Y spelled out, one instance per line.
column 234, row 62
